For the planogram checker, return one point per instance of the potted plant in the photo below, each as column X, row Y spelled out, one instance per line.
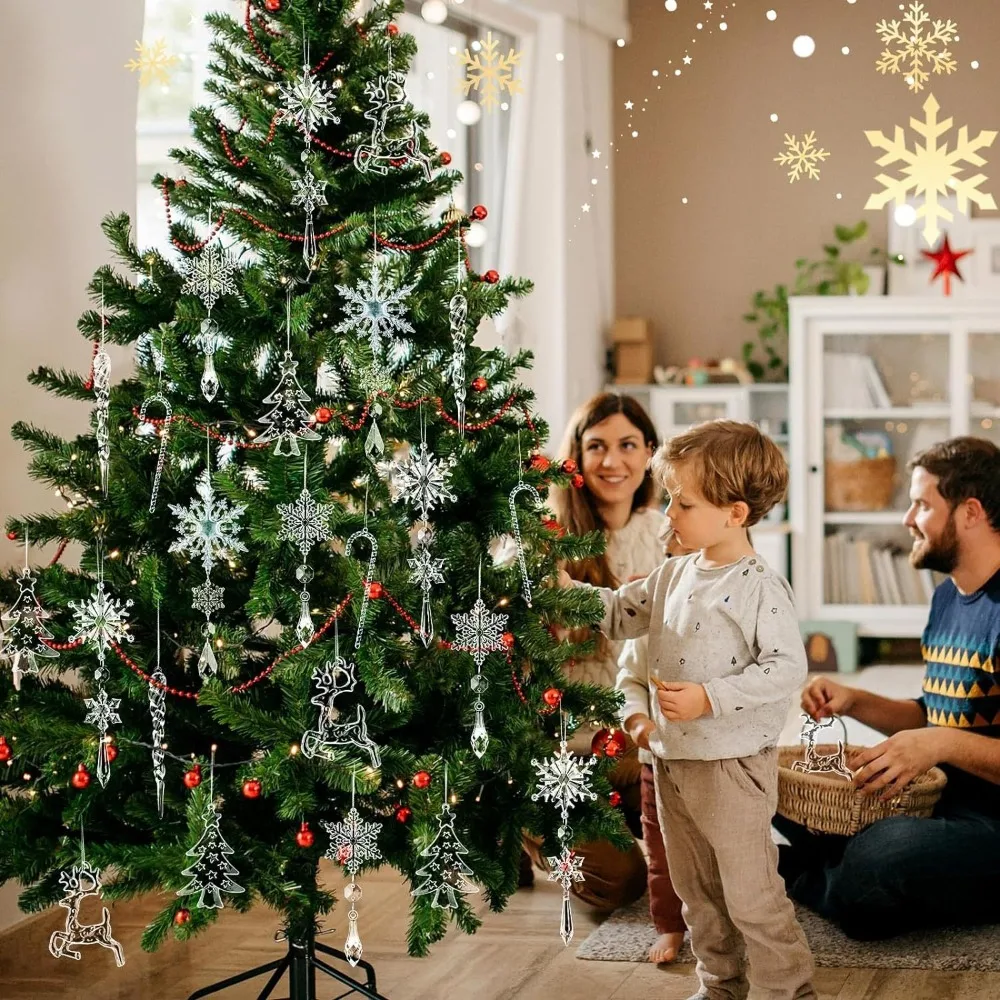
column 834, row 274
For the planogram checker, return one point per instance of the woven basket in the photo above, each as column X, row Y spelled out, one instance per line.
column 867, row 484
column 828, row 803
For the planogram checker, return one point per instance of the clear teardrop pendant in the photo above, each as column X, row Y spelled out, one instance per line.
column 352, row 946
column 207, row 663
column 566, row 920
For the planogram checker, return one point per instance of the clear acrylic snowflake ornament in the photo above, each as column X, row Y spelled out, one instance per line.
column 308, row 102
column 445, row 874
column 353, row 843
column 375, row 308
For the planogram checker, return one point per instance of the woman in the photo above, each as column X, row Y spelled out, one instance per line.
column 611, row 438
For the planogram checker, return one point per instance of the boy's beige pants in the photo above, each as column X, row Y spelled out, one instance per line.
column 716, row 821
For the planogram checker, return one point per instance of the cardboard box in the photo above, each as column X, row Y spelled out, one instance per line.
column 633, row 350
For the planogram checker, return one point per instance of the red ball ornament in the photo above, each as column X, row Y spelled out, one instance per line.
column 599, row 743
column 479, row 213
column 5, row 751
column 12, row 535
column 615, row 745
column 305, row 837
column 554, row 526
column 182, row 917
column 569, row 467
column 615, row 799
column 491, row 277
column 445, row 159
column 393, row 30
column 81, row 778
column 192, row 778
column 479, row 384
column 552, row 697
column 540, row 463
column 403, row 814
column 323, row 415
column 374, row 590
column 251, row 788
column 577, row 481
column 421, row 779
column 508, row 640
column 272, row 5
column 111, row 751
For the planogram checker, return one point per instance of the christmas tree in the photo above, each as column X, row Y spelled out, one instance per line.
column 240, row 567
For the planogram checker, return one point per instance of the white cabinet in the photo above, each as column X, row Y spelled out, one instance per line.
column 675, row 408
column 896, row 374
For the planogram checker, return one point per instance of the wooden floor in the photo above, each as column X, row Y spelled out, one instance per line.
column 517, row 955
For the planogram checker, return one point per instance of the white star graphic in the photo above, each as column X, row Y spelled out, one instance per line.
column 708, row 4
column 585, row 207
column 687, row 60
column 596, row 154
column 628, row 105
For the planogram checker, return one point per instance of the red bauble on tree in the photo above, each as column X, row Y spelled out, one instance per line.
column 491, row 277
column 252, row 788
column 374, row 590
column 554, row 526
column 615, row 799
column 421, row 779
column 479, row 384
column 272, row 5
column 81, row 777
column 615, row 745
column 12, row 535
column 5, row 751
column 577, row 481
column 323, row 415
column 569, row 467
column 445, row 159
column 111, row 751
column 182, row 917
column 540, row 463
column 305, row 837
column 192, row 778
column 599, row 742
column 508, row 640
column 403, row 814
column 479, row 213
column 393, row 30
column 552, row 697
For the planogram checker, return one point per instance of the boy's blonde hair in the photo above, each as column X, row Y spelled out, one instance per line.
column 734, row 462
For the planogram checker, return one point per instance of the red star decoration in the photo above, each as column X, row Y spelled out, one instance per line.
column 946, row 262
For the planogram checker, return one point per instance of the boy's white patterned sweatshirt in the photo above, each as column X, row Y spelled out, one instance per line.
column 730, row 628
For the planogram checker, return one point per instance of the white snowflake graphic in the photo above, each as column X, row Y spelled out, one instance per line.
column 103, row 711
column 564, row 779
column 801, row 157
column 375, row 309
column 353, row 842
column 208, row 598
column 310, row 193
column 101, row 621
column 208, row 526
column 914, row 50
column 932, row 170
column 309, row 102
column 479, row 631
column 489, row 73
column 305, row 522
column 566, row 869
column 426, row 570
column 423, row 481
column 210, row 276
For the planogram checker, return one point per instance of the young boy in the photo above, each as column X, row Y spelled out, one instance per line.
column 724, row 659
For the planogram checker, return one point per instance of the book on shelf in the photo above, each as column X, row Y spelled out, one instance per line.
column 866, row 571
column 853, row 382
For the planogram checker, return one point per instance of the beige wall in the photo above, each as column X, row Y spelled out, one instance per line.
column 67, row 157
column 707, row 136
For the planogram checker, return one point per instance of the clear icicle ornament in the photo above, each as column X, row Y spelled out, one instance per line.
column 458, row 316
column 425, row 571
column 309, row 195
column 209, row 342
column 158, row 716
column 102, row 407
column 353, row 843
column 164, row 429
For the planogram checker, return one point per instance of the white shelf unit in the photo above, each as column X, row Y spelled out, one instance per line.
column 938, row 362
column 675, row 408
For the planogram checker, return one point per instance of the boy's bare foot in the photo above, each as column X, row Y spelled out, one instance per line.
column 666, row 947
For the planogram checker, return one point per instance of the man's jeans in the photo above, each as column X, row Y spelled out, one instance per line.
column 898, row 874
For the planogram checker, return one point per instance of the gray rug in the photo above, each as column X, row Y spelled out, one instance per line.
column 627, row 934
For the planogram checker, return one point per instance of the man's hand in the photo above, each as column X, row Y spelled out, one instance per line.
column 564, row 579
column 639, row 727
column 887, row 768
column 824, row 697
column 681, row 701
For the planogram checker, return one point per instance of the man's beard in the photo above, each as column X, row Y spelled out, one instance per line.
column 940, row 555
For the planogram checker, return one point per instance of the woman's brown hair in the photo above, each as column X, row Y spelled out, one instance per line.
column 576, row 509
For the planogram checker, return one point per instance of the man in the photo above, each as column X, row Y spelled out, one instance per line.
column 903, row 873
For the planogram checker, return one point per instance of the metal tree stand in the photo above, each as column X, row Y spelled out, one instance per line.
column 301, row 963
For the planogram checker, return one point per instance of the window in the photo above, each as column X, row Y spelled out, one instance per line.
column 480, row 151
